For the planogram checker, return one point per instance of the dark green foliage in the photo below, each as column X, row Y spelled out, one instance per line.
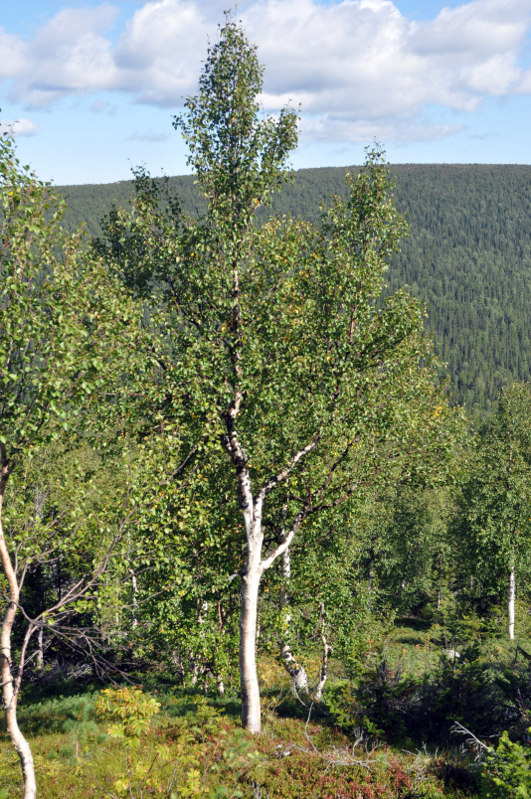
column 485, row 687
column 467, row 256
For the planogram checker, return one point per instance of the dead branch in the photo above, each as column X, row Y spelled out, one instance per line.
column 478, row 746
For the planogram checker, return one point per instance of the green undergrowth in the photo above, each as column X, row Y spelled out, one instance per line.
column 425, row 678
column 385, row 733
column 173, row 744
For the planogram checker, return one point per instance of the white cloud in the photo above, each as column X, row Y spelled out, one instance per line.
column 354, row 65
column 12, row 55
column 68, row 55
column 325, row 129
column 497, row 75
column 364, row 72
column 474, row 29
column 19, row 127
column 158, row 55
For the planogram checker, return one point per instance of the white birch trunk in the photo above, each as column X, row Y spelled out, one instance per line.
column 250, row 713
column 134, row 586
column 8, row 686
column 510, row 604
column 297, row 672
column 323, row 673
column 40, row 648
column 252, row 507
column 252, row 519
column 220, row 683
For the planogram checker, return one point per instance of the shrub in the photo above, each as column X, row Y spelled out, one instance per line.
column 507, row 771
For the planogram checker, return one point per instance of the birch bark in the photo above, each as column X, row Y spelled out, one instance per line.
column 9, row 693
column 511, row 594
column 323, row 673
column 296, row 670
column 252, row 512
column 250, row 691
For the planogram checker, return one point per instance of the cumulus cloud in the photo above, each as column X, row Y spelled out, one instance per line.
column 362, row 67
column 325, row 128
column 69, row 55
column 473, row 29
column 354, row 65
column 497, row 75
column 19, row 127
column 158, row 54
column 363, row 59
column 13, row 59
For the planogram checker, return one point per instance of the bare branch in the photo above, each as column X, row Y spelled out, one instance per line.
column 22, row 660
column 281, row 476
column 471, row 739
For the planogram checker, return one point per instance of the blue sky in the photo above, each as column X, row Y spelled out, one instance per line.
column 89, row 88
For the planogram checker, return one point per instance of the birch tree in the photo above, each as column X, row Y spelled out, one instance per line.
column 57, row 319
column 282, row 346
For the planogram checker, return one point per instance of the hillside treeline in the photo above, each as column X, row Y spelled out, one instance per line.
column 467, row 256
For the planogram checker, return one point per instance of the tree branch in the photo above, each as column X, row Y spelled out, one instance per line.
column 284, row 545
column 281, row 476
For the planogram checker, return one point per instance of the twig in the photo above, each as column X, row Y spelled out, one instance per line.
column 471, row 739
column 338, row 757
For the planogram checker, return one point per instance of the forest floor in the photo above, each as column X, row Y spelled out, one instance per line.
column 366, row 744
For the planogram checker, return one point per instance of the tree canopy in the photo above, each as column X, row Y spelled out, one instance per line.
column 284, row 351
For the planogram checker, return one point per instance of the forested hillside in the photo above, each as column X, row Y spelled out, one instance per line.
column 468, row 256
